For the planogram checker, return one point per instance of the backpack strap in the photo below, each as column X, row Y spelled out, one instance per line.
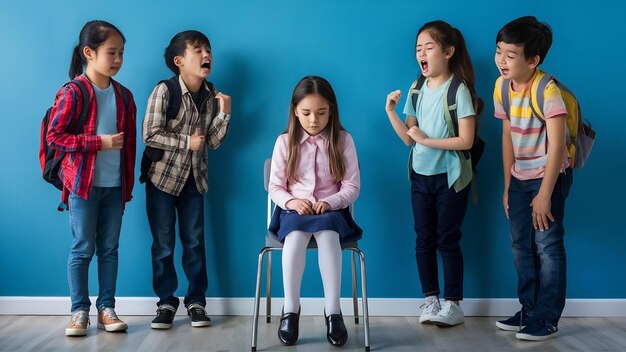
column 175, row 98
column 536, row 104
column 506, row 99
column 213, row 100
column 450, row 109
column 82, row 117
column 415, row 90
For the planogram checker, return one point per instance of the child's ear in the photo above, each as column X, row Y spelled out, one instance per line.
column 89, row 53
column 450, row 52
column 178, row 61
column 533, row 62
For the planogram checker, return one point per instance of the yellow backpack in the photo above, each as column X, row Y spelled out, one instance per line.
column 580, row 136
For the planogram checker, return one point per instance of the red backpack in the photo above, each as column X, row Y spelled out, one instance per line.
column 49, row 158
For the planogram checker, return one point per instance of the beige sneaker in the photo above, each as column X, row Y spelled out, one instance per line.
column 108, row 320
column 78, row 324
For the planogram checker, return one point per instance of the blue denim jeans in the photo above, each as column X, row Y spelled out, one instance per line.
column 438, row 211
column 95, row 225
column 162, row 208
column 539, row 256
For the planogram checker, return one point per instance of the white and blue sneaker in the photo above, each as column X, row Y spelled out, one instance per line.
column 514, row 323
column 538, row 330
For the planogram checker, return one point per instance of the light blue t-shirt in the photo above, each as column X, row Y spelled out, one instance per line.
column 431, row 119
column 107, row 172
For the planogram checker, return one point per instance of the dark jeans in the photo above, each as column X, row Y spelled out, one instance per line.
column 438, row 211
column 162, row 208
column 539, row 255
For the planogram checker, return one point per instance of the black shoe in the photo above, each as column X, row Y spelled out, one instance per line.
column 198, row 315
column 336, row 331
column 288, row 328
column 164, row 318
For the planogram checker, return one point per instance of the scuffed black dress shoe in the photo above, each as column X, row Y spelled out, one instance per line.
column 336, row 332
column 288, row 328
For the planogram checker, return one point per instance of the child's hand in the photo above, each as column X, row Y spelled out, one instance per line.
column 392, row 100
column 112, row 141
column 302, row 206
column 196, row 142
column 417, row 134
column 224, row 102
column 321, row 207
column 505, row 203
column 541, row 212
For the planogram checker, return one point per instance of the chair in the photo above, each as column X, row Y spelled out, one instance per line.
column 272, row 244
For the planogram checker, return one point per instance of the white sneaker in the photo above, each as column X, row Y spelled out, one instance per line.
column 450, row 314
column 430, row 309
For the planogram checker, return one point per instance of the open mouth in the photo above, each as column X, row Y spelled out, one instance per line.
column 206, row 65
column 424, row 65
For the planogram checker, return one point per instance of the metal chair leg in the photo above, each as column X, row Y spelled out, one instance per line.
column 268, row 290
column 257, row 299
column 355, row 298
column 366, row 316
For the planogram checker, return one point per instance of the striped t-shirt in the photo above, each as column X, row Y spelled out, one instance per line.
column 528, row 133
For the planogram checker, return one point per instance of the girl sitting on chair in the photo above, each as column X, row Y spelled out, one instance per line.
column 314, row 178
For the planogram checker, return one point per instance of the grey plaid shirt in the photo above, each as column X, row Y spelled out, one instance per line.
column 170, row 174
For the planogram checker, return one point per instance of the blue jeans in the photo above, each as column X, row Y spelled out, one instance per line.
column 438, row 211
column 162, row 208
column 95, row 225
column 539, row 256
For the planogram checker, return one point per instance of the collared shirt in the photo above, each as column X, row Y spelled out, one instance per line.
column 314, row 179
column 171, row 172
column 529, row 134
column 77, row 168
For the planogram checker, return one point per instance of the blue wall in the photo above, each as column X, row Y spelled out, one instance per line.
column 365, row 49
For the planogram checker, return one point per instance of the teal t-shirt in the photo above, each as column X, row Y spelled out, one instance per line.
column 431, row 119
column 108, row 171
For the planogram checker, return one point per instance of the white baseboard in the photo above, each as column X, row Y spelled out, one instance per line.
column 312, row 306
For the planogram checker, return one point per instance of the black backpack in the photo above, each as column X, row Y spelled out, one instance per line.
column 478, row 147
column 151, row 154
column 49, row 159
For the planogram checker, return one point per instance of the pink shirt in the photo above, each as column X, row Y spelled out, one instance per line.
column 314, row 179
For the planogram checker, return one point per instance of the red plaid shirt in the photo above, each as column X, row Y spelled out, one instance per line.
column 78, row 167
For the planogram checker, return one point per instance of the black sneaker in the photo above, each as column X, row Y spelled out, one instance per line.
column 514, row 323
column 164, row 318
column 198, row 315
column 538, row 330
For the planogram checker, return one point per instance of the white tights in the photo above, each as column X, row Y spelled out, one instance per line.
column 294, row 259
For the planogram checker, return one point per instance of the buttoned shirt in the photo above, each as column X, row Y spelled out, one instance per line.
column 173, row 136
column 77, row 168
column 314, row 180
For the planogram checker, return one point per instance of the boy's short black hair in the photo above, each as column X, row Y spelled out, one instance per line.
column 527, row 31
column 178, row 44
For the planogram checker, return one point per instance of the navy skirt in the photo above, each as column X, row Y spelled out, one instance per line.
column 285, row 221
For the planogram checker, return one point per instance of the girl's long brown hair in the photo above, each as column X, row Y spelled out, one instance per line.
column 314, row 85
column 460, row 63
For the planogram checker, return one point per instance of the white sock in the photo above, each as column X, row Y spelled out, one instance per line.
column 294, row 259
column 329, row 257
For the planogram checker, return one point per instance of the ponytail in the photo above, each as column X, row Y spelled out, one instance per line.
column 76, row 65
column 461, row 66
column 93, row 34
